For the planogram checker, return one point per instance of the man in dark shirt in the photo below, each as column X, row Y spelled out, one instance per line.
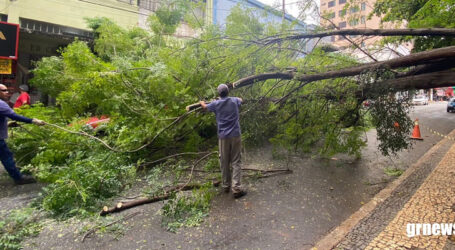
column 226, row 110
column 6, row 156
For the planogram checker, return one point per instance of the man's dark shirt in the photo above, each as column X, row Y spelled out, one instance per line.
column 6, row 111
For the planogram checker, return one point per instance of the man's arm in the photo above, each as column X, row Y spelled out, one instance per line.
column 203, row 104
column 16, row 117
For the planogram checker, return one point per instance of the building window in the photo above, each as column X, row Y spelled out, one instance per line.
column 341, row 13
column 362, row 19
column 341, row 1
column 331, row 3
column 363, row 6
column 353, row 22
column 332, row 15
column 354, row 9
column 342, row 25
column 3, row 18
column 127, row 1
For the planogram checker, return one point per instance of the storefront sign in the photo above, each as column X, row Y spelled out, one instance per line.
column 9, row 40
column 5, row 66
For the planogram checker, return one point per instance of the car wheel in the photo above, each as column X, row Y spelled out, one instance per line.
column 448, row 110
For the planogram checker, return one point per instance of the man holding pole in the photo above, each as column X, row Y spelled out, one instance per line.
column 226, row 110
column 6, row 156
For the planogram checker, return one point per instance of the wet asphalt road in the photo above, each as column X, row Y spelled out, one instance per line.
column 283, row 212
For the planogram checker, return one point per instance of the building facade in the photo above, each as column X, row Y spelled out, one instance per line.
column 218, row 10
column 344, row 14
column 47, row 25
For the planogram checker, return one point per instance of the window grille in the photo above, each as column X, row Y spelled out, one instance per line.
column 152, row 5
column 50, row 28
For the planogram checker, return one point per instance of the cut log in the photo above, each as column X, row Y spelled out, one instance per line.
column 125, row 205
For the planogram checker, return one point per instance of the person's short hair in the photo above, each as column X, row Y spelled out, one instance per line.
column 223, row 90
column 23, row 87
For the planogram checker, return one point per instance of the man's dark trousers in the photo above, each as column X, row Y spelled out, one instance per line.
column 8, row 161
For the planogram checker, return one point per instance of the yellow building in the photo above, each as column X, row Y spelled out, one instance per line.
column 47, row 25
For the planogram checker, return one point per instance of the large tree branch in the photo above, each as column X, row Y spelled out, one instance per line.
column 423, row 81
column 405, row 61
column 427, row 58
column 365, row 32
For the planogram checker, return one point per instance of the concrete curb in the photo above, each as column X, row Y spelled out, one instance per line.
column 335, row 236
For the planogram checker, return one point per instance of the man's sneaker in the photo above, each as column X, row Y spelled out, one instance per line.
column 239, row 193
column 26, row 179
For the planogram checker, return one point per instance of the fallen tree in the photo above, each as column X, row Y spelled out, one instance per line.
column 433, row 61
column 142, row 82
column 426, row 57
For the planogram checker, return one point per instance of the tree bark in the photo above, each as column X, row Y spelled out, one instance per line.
column 366, row 32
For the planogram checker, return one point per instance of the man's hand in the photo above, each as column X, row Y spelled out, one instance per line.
column 13, row 124
column 203, row 105
column 38, row 122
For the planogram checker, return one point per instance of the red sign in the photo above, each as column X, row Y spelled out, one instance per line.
column 9, row 40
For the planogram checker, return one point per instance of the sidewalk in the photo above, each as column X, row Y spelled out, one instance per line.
column 425, row 193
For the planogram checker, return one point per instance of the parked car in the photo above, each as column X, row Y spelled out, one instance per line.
column 420, row 100
column 451, row 105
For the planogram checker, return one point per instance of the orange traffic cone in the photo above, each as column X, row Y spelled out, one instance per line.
column 416, row 132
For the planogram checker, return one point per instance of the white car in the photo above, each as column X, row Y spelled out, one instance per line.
column 420, row 100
